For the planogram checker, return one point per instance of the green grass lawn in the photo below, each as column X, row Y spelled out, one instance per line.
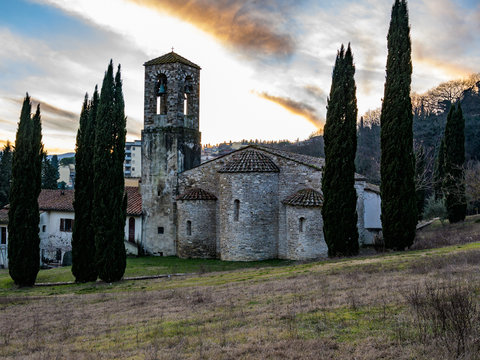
column 150, row 265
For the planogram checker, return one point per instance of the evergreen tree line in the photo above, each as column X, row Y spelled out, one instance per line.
column 6, row 156
column 338, row 182
column 100, row 201
column 49, row 173
column 23, row 214
column 428, row 131
column 397, row 165
column 449, row 168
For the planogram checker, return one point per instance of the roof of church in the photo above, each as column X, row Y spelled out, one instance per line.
column 311, row 161
column 249, row 160
column 62, row 200
column 314, row 162
column 169, row 58
column 196, row 194
column 305, row 197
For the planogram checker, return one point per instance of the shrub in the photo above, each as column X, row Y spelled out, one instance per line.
column 435, row 208
column 449, row 316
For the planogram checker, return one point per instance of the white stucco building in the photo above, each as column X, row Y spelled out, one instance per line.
column 57, row 217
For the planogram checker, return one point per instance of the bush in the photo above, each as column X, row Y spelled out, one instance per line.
column 449, row 316
column 435, row 208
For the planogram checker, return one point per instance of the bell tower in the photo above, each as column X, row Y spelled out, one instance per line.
column 170, row 144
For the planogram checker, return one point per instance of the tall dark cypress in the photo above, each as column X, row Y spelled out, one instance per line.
column 23, row 215
column 454, row 178
column 83, row 237
column 109, row 204
column 339, row 210
column 399, row 208
column 5, row 173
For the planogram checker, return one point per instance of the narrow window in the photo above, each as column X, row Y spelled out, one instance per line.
column 3, row 235
column 131, row 230
column 44, row 228
column 189, row 227
column 185, row 104
column 161, row 93
column 160, row 230
column 301, row 224
column 187, row 90
column 236, row 210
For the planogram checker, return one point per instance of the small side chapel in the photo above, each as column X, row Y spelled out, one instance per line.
column 255, row 203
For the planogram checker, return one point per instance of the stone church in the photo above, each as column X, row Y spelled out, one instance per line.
column 255, row 203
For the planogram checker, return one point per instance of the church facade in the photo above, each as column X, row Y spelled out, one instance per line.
column 253, row 204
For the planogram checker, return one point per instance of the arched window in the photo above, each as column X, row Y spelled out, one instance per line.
column 161, row 93
column 301, row 224
column 189, row 228
column 187, row 91
column 236, row 210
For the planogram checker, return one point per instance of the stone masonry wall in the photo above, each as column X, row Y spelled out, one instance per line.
column 201, row 243
column 293, row 176
column 253, row 236
column 176, row 73
column 171, row 143
column 309, row 243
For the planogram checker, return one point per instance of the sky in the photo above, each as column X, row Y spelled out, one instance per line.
column 266, row 65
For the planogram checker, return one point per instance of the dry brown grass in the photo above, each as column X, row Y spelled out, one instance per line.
column 354, row 309
column 443, row 234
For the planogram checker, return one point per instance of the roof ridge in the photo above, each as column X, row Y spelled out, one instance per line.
column 249, row 160
column 196, row 193
column 171, row 57
column 305, row 197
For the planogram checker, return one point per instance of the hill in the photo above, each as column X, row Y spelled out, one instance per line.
column 369, row 307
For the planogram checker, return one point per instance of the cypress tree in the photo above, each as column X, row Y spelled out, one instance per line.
column 399, row 208
column 83, row 236
column 109, row 203
column 454, row 180
column 24, row 217
column 338, row 183
column 5, row 173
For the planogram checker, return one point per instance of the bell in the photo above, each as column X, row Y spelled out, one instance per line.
column 161, row 89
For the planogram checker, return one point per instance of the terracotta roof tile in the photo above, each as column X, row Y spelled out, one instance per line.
column 196, row 194
column 56, row 200
column 3, row 216
column 62, row 200
column 372, row 188
column 134, row 201
column 169, row 58
column 249, row 161
column 305, row 197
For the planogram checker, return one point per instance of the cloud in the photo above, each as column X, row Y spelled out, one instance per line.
column 252, row 26
column 315, row 92
column 53, row 117
column 296, row 107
